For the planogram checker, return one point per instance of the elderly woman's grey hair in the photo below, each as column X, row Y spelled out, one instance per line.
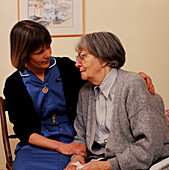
column 105, row 46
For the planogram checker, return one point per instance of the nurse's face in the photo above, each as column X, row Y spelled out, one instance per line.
column 39, row 59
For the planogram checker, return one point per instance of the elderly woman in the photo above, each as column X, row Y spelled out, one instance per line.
column 120, row 122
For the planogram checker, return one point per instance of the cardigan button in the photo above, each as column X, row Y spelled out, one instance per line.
column 107, row 150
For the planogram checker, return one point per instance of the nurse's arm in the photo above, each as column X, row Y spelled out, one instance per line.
column 64, row 148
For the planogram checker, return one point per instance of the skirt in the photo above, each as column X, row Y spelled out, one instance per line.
column 34, row 158
column 29, row 157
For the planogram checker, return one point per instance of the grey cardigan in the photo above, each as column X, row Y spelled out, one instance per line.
column 138, row 135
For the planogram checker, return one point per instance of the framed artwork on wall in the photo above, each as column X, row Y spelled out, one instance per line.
column 61, row 17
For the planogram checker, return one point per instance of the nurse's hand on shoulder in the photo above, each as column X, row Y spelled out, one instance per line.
column 148, row 81
column 73, row 148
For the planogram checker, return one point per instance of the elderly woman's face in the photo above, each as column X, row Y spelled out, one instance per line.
column 90, row 66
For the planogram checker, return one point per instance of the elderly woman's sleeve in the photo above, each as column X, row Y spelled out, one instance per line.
column 79, row 123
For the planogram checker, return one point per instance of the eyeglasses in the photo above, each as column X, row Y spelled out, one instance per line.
column 81, row 57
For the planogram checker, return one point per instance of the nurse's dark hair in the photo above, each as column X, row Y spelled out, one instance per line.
column 27, row 36
column 105, row 46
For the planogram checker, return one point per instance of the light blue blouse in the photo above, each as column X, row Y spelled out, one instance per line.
column 104, row 106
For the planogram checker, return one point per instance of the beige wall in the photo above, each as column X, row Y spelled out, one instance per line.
column 142, row 26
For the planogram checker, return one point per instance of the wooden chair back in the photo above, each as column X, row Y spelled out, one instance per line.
column 5, row 136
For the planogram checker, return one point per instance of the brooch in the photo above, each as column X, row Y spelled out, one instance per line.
column 45, row 90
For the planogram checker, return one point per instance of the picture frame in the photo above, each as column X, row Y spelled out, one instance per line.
column 60, row 17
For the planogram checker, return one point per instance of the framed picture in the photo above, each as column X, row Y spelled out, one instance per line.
column 60, row 17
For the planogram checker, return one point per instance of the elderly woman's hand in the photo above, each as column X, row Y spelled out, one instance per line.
column 149, row 82
column 97, row 165
column 75, row 159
